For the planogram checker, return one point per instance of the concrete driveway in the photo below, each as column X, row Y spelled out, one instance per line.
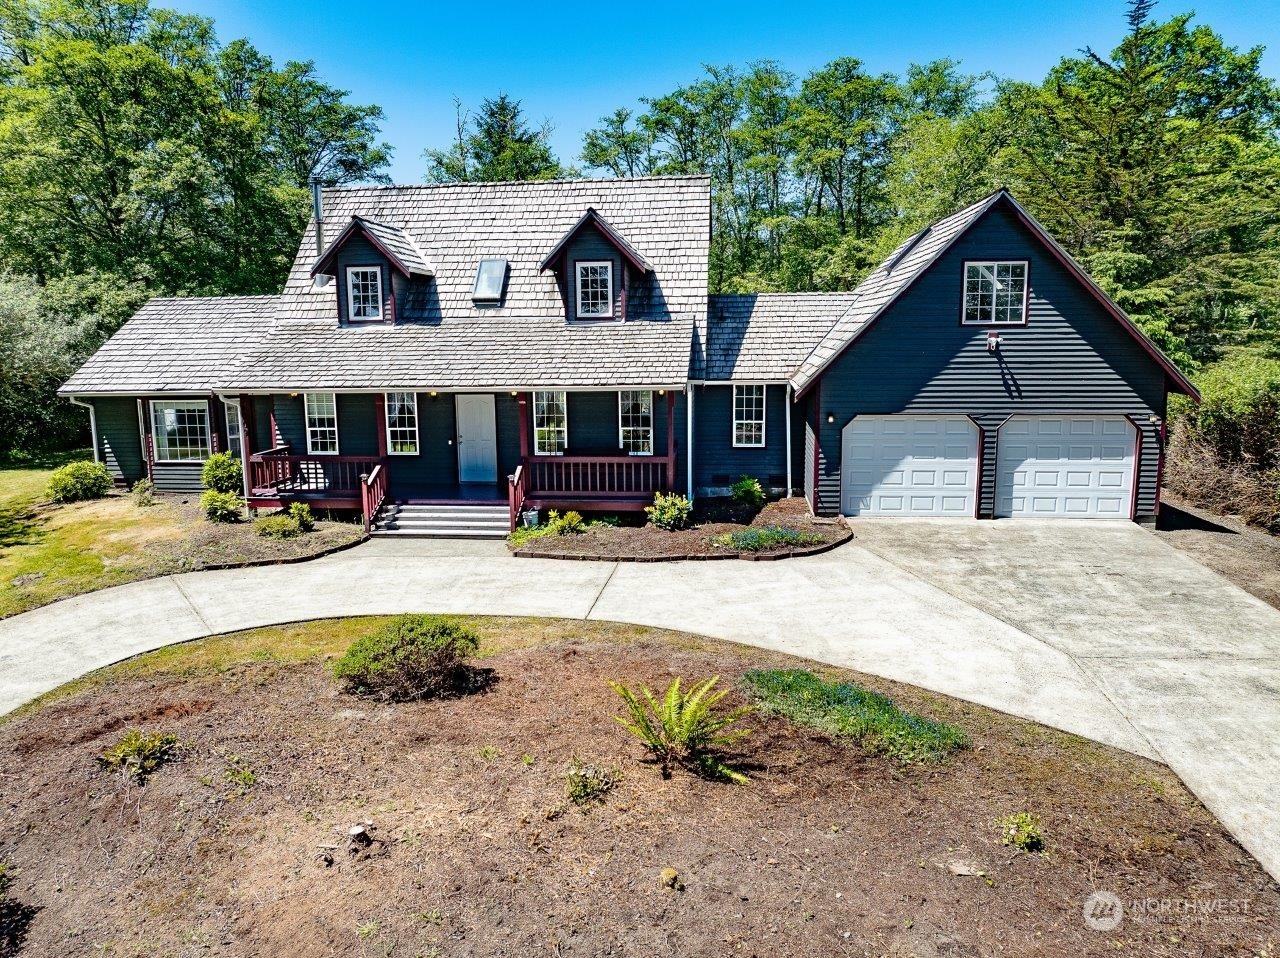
column 1096, row 628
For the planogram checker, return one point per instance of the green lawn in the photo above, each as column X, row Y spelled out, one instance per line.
column 49, row 551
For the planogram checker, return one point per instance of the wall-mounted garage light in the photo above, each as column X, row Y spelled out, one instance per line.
column 831, row 418
column 994, row 340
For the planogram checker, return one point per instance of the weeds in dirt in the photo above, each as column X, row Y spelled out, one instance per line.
column 589, row 784
column 489, row 752
column 239, row 774
column 5, row 880
column 1022, row 830
column 527, row 760
column 139, row 755
column 844, row 709
column 684, row 728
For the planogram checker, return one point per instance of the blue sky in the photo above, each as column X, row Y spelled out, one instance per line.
column 572, row 63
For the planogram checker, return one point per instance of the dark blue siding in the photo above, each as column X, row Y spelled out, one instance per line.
column 119, row 442
column 1071, row 357
column 719, row 463
column 360, row 252
column 590, row 245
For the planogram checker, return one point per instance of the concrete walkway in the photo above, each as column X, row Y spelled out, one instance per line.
column 1096, row 628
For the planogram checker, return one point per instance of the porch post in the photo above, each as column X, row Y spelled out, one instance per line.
column 524, row 426
column 247, row 426
column 671, row 441
column 380, row 418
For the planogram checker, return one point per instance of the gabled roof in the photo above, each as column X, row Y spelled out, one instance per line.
column 912, row 259
column 173, row 344
column 390, row 241
column 616, row 239
column 763, row 337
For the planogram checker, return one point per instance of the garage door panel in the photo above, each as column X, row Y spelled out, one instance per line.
column 909, row 465
column 1065, row 466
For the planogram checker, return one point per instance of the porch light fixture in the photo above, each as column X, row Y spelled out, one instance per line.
column 662, row 392
column 434, row 394
column 831, row 418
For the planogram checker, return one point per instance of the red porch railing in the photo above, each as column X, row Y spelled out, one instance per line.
column 589, row 481
column 373, row 493
column 327, row 477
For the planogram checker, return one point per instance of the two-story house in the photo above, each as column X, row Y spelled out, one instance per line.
column 484, row 348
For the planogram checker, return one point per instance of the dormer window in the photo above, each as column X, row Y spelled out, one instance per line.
column 364, row 294
column 595, row 289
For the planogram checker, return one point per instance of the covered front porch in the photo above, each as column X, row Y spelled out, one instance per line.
column 587, row 450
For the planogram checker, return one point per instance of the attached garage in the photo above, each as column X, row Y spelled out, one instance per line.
column 909, row 466
column 1066, row 467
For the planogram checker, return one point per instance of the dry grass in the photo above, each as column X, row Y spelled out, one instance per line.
column 49, row 551
column 1194, row 471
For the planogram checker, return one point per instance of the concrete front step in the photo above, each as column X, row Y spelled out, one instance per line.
column 443, row 521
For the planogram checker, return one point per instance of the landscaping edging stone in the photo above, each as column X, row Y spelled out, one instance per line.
column 526, row 552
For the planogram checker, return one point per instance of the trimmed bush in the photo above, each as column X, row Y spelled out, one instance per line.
column 843, row 708
column 144, row 493
column 279, row 525
column 753, row 539
column 222, row 472
column 80, row 480
column 670, row 512
column 300, row 512
column 221, row 506
column 748, row 492
column 411, row 657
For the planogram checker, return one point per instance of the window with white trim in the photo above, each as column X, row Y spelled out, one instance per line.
column 180, row 430
column 402, row 424
column 748, row 415
column 595, row 289
column 995, row 293
column 364, row 294
column 550, row 423
column 235, row 445
column 635, row 422
column 322, row 423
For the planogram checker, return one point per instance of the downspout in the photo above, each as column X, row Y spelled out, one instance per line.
column 688, row 432
column 93, row 423
column 787, row 396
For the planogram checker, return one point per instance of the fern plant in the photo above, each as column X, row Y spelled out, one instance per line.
column 684, row 728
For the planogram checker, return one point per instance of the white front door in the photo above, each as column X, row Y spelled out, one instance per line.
column 909, row 466
column 1066, row 467
column 477, row 438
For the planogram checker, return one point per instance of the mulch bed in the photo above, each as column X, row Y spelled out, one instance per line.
column 476, row 851
column 712, row 519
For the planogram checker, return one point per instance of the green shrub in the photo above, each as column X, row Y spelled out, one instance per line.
column 1239, row 412
column 143, row 493
column 670, row 512
column 279, row 525
column 588, row 783
column 844, row 709
column 747, row 491
column 222, row 472
column 221, row 506
column 301, row 513
column 571, row 523
column 1021, row 830
column 80, row 480
column 685, row 728
column 139, row 755
column 753, row 540
column 410, row 657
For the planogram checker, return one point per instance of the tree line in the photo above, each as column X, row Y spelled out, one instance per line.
column 140, row 156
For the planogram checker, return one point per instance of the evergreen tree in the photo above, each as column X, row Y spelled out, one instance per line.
column 495, row 144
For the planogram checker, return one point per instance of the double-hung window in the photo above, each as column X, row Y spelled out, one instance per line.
column 995, row 293
column 402, row 424
column 635, row 422
column 595, row 289
column 235, row 444
column 180, row 429
column 364, row 294
column 322, row 423
column 550, row 423
column 748, row 415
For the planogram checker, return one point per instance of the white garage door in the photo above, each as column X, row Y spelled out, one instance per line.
column 1066, row 467
column 909, row 466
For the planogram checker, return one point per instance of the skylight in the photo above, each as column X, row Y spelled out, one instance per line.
column 490, row 278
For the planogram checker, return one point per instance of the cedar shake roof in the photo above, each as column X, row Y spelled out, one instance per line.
column 394, row 244
column 184, row 344
column 762, row 337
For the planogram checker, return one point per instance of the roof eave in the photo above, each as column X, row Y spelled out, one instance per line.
column 325, row 264
column 616, row 240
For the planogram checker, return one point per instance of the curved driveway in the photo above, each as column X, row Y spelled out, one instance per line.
column 1096, row 628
